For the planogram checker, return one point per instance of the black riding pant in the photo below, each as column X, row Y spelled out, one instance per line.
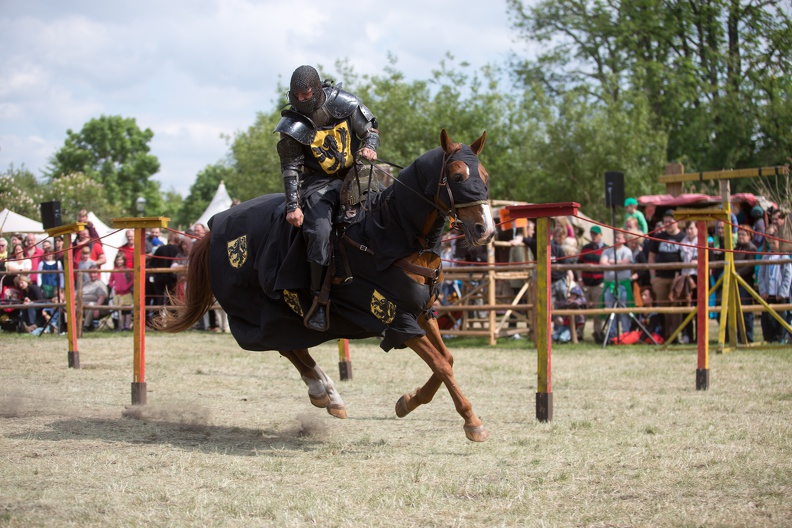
column 320, row 199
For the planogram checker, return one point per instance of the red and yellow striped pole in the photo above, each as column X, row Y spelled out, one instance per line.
column 344, row 361
column 139, row 299
column 68, row 287
column 544, row 300
column 701, row 216
column 702, row 290
column 544, row 332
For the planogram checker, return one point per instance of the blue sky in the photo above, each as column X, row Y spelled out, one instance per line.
column 194, row 70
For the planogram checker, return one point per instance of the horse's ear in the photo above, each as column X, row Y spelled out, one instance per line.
column 478, row 145
column 445, row 141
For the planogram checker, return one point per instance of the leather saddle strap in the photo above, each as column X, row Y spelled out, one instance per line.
column 402, row 263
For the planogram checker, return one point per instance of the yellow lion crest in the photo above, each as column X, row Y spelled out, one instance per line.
column 382, row 308
column 238, row 251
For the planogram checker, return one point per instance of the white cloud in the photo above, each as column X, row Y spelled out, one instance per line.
column 192, row 70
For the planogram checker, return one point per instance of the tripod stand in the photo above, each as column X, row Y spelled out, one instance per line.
column 612, row 317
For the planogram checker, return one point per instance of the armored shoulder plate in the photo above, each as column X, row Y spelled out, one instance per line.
column 341, row 104
column 297, row 126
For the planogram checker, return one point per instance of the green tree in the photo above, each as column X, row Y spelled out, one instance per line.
column 254, row 159
column 78, row 191
column 114, row 151
column 464, row 102
column 202, row 192
column 716, row 72
column 579, row 141
column 20, row 191
column 171, row 207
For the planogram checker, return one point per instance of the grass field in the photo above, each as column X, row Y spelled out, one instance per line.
column 229, row 438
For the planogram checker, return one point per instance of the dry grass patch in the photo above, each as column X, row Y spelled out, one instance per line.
column 228, row 438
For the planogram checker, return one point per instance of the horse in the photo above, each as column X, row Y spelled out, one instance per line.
column 256, row 265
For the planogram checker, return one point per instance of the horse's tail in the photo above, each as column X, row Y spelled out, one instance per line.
column 198, row 297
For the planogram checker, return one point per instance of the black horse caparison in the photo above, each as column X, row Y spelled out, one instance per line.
column 253, row 263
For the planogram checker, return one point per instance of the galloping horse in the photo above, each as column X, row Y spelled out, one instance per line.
column 256, row 263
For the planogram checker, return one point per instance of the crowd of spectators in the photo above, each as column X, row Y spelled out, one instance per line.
column 32, row 273
column 674, row 246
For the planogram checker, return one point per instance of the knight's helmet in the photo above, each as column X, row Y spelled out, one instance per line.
column 302, row 79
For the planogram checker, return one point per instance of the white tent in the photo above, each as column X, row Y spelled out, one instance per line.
column 11, row 222
column 219, row 203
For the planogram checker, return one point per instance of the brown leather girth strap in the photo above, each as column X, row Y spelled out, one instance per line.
column 343, row 256
column 428, row 273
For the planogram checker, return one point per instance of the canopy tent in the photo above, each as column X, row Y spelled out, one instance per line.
column 655, row 205
column 11, row 222
column 219, row 203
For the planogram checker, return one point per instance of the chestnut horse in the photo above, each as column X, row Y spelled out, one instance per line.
column 255, row 263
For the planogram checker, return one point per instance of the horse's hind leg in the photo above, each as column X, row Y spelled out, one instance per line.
column 321, row 390
column 316, row 388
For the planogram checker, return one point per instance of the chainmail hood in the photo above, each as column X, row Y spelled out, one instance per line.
column 304, row 78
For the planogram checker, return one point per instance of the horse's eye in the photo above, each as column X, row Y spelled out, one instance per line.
column 458, row 177
column 458, row 171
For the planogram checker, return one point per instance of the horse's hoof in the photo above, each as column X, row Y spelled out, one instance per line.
column 321, row 401
column 401, row 406
column 476, row 434
column 337, row 410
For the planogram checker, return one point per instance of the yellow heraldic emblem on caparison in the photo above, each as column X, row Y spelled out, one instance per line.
column 382, row 308
column 238, row 251
column 293, row 300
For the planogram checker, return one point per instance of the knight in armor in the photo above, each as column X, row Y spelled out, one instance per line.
column 322, row 132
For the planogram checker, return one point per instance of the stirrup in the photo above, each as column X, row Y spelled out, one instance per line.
column 317, row 323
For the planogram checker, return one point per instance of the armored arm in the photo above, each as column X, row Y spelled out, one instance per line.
column 291, row 158
column 365, row 126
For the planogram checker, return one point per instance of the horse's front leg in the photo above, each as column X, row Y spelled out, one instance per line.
column 321, row 390
column 441, row 367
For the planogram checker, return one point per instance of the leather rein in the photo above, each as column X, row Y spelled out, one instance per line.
column 431, row 274
column 442, row 182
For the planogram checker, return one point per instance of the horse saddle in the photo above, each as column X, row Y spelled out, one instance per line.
column 359, row 186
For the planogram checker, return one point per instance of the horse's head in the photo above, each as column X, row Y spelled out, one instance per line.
column 467, row 185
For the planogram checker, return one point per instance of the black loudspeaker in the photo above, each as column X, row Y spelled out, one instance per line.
column 51, row 214
column 614, row 189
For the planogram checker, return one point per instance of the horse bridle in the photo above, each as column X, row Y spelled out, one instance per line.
column 442, row 182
